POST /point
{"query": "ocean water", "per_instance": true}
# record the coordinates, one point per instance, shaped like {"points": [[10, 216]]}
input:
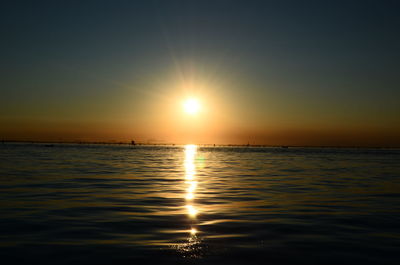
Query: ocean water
{"points": [[121, 204]]}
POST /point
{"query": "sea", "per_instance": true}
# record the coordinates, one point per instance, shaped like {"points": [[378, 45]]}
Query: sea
{"points": [[143, 204]]}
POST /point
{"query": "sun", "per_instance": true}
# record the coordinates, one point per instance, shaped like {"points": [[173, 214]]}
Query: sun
{"points": [[191, 106]]}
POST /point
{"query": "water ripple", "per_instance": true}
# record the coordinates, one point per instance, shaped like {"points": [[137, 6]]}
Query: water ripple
{"points": [[103, 204]]}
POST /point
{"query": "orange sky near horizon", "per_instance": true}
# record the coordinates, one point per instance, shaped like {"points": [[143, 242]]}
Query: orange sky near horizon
{"points": [[226, 116], [196, 134]]}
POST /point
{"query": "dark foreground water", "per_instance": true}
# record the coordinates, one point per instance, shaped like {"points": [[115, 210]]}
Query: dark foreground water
{"points": [[105, 204]]}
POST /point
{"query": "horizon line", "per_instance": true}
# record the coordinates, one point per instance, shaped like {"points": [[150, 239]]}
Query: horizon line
{"points": [[130, 143]]}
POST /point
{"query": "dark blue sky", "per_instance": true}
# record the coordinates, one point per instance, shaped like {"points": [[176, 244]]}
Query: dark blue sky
{"points": [[309, 61]]}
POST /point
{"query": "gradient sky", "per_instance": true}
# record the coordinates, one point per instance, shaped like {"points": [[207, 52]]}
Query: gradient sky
{"points": [[266, 72]]}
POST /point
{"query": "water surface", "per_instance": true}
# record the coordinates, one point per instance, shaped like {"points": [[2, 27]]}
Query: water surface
{"points": [[117, 204]]}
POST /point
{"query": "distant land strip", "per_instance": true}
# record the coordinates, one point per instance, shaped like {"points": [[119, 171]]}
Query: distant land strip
{"points": [[200, 145]]}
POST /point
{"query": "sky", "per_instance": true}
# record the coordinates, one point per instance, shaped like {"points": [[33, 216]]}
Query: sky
{"points": [[314, 73]]}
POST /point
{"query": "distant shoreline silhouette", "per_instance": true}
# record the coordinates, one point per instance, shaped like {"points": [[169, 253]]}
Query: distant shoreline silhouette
{"points": [[134, 143]]}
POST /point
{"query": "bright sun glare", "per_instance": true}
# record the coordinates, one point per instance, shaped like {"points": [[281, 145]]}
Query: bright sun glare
{"points": [[191, 106]]}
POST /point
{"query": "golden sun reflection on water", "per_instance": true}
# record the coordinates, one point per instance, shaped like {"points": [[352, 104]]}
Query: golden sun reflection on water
{"points": [[191, 210], [193, 231], [191, 247], [190, 175], [191, 185]]}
